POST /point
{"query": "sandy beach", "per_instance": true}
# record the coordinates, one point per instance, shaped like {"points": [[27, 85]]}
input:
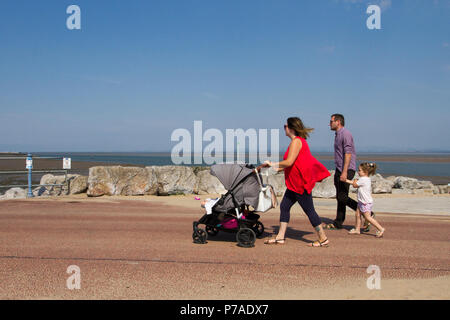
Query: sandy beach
{"points": [[77, 167], [81, 167], [141, 248]]}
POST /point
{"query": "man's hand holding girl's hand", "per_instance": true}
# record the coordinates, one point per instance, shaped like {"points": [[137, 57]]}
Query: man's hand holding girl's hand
{"points": [[353, 183]]}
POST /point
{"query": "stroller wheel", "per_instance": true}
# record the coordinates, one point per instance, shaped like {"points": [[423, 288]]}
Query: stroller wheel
{"points": [[246, 238], [200, 236], [212, 231], [258, 228]]}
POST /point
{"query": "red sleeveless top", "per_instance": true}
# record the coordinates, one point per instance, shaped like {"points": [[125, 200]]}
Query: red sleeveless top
{"points": [[305, 171]]}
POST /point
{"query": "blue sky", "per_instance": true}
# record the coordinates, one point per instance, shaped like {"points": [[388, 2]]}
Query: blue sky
{"points": [[137, 70]]}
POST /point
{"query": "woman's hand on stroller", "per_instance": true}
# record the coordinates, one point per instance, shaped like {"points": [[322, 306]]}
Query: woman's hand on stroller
{"points": [[264, 165], [268, 163]]}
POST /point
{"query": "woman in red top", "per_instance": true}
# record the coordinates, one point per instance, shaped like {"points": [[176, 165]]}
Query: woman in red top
{"points": [[301, 172]]}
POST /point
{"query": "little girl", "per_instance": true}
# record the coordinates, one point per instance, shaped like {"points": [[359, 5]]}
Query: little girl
{"points": [[365, 201]]}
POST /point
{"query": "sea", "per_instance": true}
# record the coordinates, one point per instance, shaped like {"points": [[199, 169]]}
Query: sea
{"points": [[399, 164]]}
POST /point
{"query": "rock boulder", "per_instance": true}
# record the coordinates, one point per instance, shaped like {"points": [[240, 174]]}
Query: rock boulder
{"points": [[277, 182], [208, 184], [411, 183], [325, 189], [174, 179], [14, 193], [78, 184], [118, 180], [381, 185], [50, 180]]}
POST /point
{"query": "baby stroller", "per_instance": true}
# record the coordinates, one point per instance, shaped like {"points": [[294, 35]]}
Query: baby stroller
{"points": [[231, 212]]}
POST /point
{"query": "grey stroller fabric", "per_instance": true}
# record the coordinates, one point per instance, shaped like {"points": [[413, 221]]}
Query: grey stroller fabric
{"points": [[240, 178]]}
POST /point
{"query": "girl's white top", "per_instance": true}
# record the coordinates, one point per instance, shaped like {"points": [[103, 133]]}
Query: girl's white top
{"points": [[365, 190]]}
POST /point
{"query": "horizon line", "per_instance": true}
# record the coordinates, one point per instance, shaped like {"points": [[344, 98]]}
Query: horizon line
{"points": [[246, 152]]}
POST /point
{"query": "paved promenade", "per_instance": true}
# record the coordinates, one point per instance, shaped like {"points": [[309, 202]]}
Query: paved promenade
{"points": [[141, 248]]}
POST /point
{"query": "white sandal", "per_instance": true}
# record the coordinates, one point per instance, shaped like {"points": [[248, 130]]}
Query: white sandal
{"points": [[379, 234]]}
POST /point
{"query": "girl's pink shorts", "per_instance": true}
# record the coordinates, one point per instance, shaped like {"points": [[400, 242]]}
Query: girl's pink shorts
{"points": [[365, 207]]}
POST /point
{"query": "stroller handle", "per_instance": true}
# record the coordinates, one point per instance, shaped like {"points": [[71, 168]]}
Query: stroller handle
{"points": [[264, 165]]}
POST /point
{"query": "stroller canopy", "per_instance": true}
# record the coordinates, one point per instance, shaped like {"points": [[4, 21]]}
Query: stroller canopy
{"points": [[241, 178]]}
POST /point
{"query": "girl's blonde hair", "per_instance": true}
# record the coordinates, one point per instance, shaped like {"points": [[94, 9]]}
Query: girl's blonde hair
{"points": [[369, 167]]}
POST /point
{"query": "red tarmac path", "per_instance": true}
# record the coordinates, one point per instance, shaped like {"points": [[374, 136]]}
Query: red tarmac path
{"points": [[135, 249]]}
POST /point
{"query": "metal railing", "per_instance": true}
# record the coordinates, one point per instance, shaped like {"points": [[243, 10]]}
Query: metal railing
{"points": [[29, 171]]}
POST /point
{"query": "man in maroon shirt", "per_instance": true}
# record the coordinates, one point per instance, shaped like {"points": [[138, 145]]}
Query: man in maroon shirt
{"points": [[345, 161]]}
